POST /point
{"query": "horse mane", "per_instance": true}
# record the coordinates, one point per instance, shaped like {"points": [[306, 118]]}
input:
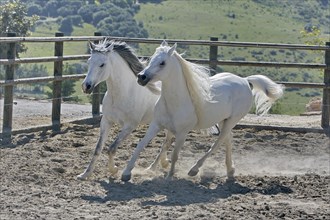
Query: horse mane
{"points": [[198, 83], [127, 53]]}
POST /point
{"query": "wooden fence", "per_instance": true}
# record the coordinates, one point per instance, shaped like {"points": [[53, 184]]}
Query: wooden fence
{"points": [[213, 61]]}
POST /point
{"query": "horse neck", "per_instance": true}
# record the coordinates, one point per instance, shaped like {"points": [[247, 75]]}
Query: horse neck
{"points": [[174, 89], [122, 78]]}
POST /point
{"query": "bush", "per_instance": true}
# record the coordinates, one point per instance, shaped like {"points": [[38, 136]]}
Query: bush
{"points": [[65, 11], [99, 16], [77, 20], [86, 12], [34, 9], [66, 26]]}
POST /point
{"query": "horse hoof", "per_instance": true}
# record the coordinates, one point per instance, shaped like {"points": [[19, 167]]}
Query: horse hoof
{"points": [[126, 178], [82, 177], [230, 179], [193, 172]]}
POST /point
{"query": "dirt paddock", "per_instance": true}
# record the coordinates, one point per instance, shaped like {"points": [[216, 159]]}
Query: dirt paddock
{"points": [[279, 175]]}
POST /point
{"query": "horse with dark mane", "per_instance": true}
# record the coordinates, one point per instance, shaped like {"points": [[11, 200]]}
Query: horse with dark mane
{"points": [[125, 102]]}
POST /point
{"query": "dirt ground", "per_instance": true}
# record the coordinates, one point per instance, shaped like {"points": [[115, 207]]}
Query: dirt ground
{"points": [[279, 175]]}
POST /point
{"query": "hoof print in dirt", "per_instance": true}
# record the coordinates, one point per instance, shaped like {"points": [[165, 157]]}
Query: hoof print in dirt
{"points": [[59, 170]]}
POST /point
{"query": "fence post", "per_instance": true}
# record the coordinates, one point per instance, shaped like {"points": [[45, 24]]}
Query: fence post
{"points": [[326, 94], [57, 85], [213, 56], [8, 93], [96, 92]]}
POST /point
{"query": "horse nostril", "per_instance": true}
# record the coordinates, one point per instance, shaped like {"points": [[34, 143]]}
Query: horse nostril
{"points": [[88, 86], [142, 77]]}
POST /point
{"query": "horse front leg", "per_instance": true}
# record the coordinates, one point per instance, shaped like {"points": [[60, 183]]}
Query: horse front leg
{"points": [[150, 134], [104, 132], [162, 156], [123, 134]]}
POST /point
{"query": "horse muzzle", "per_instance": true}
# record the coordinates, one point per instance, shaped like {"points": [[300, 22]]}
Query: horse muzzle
{"points": [[142, 79], [87, 88]]}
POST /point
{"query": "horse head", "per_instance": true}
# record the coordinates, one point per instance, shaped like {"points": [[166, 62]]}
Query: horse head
{"points": [[98, 65], [157, 65]]}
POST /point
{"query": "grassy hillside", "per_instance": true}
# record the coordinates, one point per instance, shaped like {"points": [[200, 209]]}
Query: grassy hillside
{"points": [[240, 20], [245, 21]]}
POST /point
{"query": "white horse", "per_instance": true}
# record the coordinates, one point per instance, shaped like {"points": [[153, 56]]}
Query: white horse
{"points": [[125, 102], [190, 99]]}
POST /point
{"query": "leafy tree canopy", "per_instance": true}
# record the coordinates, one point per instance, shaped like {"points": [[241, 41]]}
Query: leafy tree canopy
{"points": [[14, 18], [119, 12]]}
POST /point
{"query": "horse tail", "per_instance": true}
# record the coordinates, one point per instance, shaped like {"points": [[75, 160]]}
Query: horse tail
{"points": [[265, 92]]}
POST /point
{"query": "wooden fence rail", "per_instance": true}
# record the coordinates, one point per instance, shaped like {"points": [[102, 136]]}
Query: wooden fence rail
{"points": [[58, 58]]}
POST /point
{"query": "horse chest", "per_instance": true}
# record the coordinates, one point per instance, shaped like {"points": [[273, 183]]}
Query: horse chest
{"points": [[175, 118]]}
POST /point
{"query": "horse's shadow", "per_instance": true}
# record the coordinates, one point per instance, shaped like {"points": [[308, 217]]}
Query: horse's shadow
{"points": [[178, 192]]}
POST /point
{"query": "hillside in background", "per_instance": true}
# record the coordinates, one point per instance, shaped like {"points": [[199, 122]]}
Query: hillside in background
{"points": [[273, 21]]}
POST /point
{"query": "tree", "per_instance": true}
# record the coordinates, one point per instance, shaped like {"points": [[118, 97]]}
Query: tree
{"points": [[50, 9], [86, 12], [34, 9], [66, 26], [13, 18]]}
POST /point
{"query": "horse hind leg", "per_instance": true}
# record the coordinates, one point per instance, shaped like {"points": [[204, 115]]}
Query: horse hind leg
{"points": [[225, 133], [162, 156], [179, 141], [104, 132], [229, 162]]}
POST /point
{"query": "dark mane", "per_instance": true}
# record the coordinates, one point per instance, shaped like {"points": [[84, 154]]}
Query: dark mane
{"points": [[125, 51]]}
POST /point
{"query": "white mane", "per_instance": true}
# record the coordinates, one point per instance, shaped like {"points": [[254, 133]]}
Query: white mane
{"points": [[198, 83]]}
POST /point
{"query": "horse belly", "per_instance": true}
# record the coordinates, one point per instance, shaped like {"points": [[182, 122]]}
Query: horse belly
{"points": [[228, 102], [213, 114]]}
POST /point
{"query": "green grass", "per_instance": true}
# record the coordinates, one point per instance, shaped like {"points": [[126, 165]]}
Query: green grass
{"points": [[200, 20]]}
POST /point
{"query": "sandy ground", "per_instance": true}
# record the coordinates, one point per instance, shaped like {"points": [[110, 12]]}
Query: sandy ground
{"points": [[279, 175]]}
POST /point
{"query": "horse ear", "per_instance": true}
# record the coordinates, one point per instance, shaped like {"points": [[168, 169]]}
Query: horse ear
{"points": [[91, 46], [171, 51], [164, 43]]}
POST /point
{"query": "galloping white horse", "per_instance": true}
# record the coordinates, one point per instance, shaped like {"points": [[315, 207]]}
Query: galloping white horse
{"points": [[125, 102], [190, 99]]}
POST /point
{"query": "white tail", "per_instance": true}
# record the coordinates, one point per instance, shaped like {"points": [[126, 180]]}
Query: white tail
{"points": [[265, 92]]}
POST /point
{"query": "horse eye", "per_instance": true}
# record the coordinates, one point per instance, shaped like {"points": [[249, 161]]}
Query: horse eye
{"points": [[162, 63], [102, 65]]}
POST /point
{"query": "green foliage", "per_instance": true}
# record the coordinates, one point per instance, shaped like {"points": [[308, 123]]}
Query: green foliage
{"points": [[66, 26], [29, 71], [312, 36], [98, 13], [14, 18], [68, 86], [32, 70]]}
